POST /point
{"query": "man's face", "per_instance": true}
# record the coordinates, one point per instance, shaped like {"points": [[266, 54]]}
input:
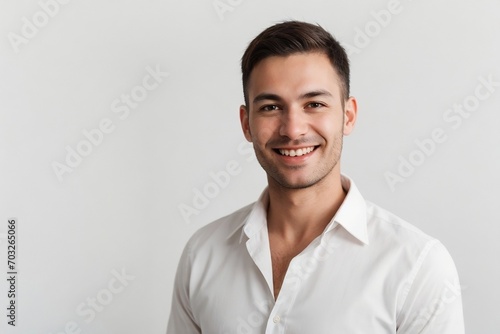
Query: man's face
{"points": [[296, 119]]}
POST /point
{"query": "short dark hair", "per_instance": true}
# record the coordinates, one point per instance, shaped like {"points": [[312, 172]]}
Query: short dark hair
{"points": [[289, 37]]}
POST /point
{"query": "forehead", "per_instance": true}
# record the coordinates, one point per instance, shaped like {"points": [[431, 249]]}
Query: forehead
{"points": [[294, 74]]}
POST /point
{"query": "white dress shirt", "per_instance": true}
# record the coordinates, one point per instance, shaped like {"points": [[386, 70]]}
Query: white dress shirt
{"points": [[369, 272]]}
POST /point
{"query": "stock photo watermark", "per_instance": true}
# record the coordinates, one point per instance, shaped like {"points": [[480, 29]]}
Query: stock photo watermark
{"points": [[12, 270], [380, 19], [30, 27], [453, 117], [122, 107], [88, 309], [218, 181], [450, 295], [223, 6], [253, 320]]}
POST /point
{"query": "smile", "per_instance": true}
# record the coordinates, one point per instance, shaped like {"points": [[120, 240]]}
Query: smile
{"points": [[296, 153]]}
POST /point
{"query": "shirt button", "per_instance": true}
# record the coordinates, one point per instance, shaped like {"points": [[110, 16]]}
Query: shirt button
{"points": [[276, 319]]}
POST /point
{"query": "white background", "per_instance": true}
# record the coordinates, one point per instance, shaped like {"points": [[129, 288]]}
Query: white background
{"points": [[119, 209]]}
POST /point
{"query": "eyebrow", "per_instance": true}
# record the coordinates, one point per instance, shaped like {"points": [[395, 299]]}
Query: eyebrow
{"points": [[275, 97], [266, 96]]}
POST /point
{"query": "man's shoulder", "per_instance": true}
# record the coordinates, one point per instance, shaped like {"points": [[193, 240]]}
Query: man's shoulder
{"points": [[222, 229], [407, 245], [385, 225]]}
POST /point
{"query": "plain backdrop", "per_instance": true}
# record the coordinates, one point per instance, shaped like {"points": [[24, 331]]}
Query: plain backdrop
{"points": [[128, 204]]}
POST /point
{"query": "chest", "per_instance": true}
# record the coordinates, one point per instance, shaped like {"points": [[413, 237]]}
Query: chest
{"points": [[281, 256], [312, 295]]}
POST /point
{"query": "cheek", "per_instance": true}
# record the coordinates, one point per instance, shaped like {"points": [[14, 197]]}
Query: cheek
{"points": [[262, 131], [329, 127]]}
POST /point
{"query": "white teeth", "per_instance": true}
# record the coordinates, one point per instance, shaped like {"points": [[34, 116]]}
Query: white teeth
{"points": [[297, 153]]}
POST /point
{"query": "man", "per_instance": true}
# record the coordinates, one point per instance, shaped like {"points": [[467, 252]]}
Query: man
{"points": [[311, 255]]}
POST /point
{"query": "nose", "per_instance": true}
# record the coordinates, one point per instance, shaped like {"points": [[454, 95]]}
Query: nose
{"points": [[293, 123]]}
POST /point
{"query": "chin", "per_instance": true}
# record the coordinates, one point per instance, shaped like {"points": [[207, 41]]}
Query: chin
{"points": [[295, 184]]}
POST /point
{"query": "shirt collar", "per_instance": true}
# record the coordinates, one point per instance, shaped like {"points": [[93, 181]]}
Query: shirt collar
{"points": [[352, 212], [255, 219], [351, 215]]}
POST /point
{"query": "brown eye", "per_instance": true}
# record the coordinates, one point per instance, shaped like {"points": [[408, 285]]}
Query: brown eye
{"points": [[314, 105], [269, 107]]}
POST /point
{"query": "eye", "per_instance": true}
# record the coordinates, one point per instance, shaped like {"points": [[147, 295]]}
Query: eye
{"points": [[315, 105], [269, 107]]}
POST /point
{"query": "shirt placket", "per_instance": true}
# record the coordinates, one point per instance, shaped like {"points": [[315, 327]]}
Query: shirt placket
{"points": [[299, 273], [292, 284]]}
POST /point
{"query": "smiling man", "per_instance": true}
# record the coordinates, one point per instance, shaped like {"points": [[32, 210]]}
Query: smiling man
{"points": [[311, 255]]}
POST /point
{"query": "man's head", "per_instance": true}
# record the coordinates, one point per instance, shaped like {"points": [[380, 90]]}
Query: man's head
{"points": [[293, 37], [298, 108]]}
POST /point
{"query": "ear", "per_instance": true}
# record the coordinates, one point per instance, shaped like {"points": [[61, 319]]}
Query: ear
{"points": [[350, 114], [245, 124]]}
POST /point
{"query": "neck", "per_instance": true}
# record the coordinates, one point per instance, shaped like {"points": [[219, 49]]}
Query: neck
{"points": [[295, 215]]}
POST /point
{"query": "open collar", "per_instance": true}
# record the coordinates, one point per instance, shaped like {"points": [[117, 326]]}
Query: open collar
{"points": [[351, 215]]}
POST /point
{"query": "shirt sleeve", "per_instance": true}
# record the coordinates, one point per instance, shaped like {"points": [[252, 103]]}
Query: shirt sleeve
{"points": [[181, 316], [433, 304]]}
